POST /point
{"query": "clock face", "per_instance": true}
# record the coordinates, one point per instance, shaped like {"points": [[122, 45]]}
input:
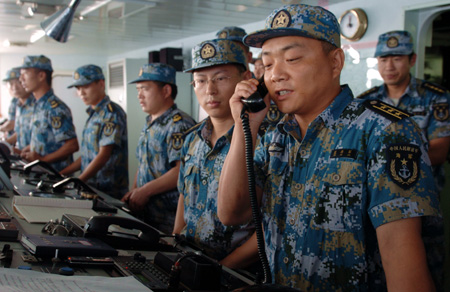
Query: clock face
{"points": [[349, 25], [353, 24]]}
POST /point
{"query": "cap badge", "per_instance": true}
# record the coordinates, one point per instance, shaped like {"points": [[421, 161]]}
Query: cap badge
{"points": [[76, 76], [281, 19], [223, 35], [392, 42], [13, 75], [141, 72], [207, 51]]}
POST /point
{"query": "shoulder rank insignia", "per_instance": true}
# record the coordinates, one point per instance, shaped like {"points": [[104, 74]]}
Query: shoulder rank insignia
{"points": [[388, 111], [367, 92], [434, 87], [403, 164], [177, 140], [191, 129], [110, 108], [440, 111], [109, 128], [54, 104], [177, 118]]}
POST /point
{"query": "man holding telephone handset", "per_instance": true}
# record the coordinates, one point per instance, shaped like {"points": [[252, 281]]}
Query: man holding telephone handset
{"points": [[343, 185]]}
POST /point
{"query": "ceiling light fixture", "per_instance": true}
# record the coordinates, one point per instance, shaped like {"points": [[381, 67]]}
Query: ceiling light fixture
{"points": [[57, 26]]}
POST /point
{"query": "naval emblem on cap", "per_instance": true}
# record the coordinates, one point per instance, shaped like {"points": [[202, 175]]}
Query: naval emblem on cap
{"points": [[207, 51], [12, 75], [392, 42], [76, 76], [141, 72], [282, 19], [223, 35]]}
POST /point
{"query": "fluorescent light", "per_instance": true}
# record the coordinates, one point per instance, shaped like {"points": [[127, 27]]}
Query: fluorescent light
{"points": [[6, 43], [37, 35]]}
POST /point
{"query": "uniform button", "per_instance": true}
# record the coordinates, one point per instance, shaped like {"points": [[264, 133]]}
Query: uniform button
{"points": [[191, 231], [204, 181], [285, 260], [303, 152], [199, 206], [336, 177], [292, 221]]}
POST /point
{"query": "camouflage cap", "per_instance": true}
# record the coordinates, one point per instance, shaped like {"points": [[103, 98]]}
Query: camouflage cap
{"points": [[397, 42], [11, 74], [217, 52], [156, 72], [298, 20], [86, 75], [232, 33], [39, 62]]}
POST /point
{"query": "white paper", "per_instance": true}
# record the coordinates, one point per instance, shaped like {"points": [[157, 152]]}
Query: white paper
{"points": [[42, 210], [15, 280]]}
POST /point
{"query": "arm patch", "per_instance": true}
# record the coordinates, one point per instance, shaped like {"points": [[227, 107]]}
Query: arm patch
{"points": [[388, 111]]}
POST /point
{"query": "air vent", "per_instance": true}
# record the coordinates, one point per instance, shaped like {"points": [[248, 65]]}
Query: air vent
{"points": [[116, 78]]}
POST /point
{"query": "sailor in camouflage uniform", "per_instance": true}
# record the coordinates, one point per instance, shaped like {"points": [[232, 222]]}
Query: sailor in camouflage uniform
{"points": [[217, 66], [53, 136], [104, 145], [23, 111], [158, 152], [337, 177], [12, 76], [428, 105]]}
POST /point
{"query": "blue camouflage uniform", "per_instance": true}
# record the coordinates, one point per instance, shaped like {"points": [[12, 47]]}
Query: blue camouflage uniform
{"points": [[51, 126], [201, 166], [428, 105], [359, 165], [22, 125], [106, 125], [198, 182], [52, 119], [159, 149], [325, 195], [11, 74]]}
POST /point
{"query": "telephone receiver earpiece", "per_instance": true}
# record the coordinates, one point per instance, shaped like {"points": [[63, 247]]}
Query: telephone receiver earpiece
{"points": [[255, 102]]}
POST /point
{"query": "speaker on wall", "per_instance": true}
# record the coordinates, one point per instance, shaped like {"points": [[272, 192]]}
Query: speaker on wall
{"points": [[153, 57], [172, 56]]}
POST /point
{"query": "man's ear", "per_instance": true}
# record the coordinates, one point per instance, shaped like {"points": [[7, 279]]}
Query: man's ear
{"points": [[247, 75], [42, 76], [413, 60], [167, 91], [337, 59]]}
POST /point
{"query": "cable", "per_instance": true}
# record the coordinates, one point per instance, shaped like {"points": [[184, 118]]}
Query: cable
{"points": [[253, 200]]}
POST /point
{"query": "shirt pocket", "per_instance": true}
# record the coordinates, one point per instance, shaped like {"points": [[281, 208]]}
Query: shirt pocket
{"points": [[191, 182], [339, 205]]}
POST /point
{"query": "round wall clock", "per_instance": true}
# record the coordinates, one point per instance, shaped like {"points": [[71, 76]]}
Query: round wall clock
{"points": [[353, 24]]}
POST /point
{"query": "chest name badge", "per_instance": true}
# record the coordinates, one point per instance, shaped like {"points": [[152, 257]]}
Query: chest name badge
{"points": [[403, 164], [347, 153]]}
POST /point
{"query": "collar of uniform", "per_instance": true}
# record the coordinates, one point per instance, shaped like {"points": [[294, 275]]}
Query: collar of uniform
{"points": [[165, 115], [45, 97], [27, 102], [205, 131], [332, 113], [103, 103], [412, 89]]}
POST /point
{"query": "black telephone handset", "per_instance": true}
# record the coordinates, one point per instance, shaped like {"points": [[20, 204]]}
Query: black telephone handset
{"points": [[255, 102], [98, 227]]}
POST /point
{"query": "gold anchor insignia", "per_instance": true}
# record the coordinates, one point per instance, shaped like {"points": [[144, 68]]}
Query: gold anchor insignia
{"points": [[392, 42], [13, 74], [223, 35], [282, 19], [76, 76], [109, 128], [208, 51], [56, 122]]}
